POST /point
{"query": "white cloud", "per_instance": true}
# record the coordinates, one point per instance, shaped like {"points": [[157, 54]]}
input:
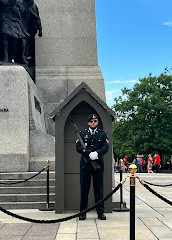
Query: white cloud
{"points": [[169, 24], [111, 94], [118, 81], [130, 81]]}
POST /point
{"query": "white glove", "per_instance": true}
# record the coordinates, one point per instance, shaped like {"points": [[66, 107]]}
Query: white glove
{"points": [[93, 155]]}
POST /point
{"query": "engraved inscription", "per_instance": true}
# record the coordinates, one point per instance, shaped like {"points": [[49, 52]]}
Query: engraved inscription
{"points": [[37, 104], [4, 110]]}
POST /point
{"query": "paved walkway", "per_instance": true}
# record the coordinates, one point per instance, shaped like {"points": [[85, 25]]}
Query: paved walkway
{"points": [[153, 219]]}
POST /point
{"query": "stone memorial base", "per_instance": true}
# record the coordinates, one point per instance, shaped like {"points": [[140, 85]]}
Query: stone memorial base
{"points": [[14, 119], [25, 144]]}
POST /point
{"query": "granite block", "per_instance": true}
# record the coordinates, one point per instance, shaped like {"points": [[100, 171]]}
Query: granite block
{"points": [[69, 33], [53, 88], [14, 119], [41, 144], [66, 52]]}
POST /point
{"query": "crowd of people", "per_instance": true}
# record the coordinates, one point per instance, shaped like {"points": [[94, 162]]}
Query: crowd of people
{"points": [[150, 165]]}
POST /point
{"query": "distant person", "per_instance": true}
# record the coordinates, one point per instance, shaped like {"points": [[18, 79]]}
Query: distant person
{"points": [[125, 160], [143, 163], [150, 164], [157, 163], [137, 161], [121, 165], [116, 168], [134, 160]]}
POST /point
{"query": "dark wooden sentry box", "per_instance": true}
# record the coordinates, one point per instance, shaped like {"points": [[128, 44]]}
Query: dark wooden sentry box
{"points": [[79, 104]]}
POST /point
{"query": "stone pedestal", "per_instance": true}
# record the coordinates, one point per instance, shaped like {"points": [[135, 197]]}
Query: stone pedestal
{"points": [[66, 55], [25, 144], [14, 119], [41, 144], [69, 33]]}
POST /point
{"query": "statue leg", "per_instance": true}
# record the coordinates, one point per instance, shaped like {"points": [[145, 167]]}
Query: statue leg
{"points": [[20, 51], [22, 44], [11, 49], [4, 48]]}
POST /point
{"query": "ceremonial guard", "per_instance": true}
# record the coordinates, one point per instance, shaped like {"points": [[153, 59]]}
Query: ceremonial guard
{"points": [[96, 145]]}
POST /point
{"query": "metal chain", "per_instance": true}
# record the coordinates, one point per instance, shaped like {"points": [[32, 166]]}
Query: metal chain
{"points": [[25, 180], [66, 218]]}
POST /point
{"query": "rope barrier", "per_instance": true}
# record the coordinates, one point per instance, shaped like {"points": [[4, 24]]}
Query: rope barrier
{"points": [[153, 192], [66, 218], [25, 180], [158, 185]]}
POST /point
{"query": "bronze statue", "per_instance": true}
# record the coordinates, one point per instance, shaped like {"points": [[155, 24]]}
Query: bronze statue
{"points": [[19, 23], [12, 32]]}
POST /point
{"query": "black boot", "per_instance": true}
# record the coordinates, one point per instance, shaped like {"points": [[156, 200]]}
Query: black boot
{"points": [[101, 216], [82, 216]]}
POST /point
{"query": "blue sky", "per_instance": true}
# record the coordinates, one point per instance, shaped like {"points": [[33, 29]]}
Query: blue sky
{"points": [[134, 39]]}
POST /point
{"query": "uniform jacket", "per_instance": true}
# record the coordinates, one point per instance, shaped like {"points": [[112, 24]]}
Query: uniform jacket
{"points": [[98, 142]]}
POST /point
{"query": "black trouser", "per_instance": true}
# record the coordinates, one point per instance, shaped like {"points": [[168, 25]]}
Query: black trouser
{"points": [[85, 181], [157, 168]]}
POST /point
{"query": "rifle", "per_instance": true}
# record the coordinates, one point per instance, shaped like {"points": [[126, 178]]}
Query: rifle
{"points": [[93, 163]]}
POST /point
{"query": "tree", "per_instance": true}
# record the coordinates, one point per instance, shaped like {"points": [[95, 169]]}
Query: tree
{"points": [[121, 142], [144, 116]]}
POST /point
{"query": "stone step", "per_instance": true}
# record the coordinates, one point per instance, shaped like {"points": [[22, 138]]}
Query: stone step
{"points": [[26, 197], [31, 194], [26, 190], [25, 205], [38, 182], [26, 175]]}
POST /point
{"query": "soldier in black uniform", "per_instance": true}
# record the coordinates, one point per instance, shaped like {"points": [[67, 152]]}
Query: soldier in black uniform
{"points": [[96, 146]]}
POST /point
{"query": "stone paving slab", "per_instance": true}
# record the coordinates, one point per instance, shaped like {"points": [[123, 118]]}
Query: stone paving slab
{"points": [[87, 232], [43, 229], [36, 237], [68, 227], [17, 229], [65, 236], [11, 237]]}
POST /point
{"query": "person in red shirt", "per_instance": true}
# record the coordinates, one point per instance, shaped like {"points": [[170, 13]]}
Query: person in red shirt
{"points": [[143, 163], [126, 163], [150, 162], [157, 163]]}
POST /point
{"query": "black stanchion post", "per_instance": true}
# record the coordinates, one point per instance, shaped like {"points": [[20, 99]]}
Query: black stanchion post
{"points": [[47, 207], [121, 191], [122, 204], [133, 170], [48, 183]]}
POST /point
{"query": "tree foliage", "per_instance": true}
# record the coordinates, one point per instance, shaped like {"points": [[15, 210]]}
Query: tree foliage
{"points": [[144, 117]]}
